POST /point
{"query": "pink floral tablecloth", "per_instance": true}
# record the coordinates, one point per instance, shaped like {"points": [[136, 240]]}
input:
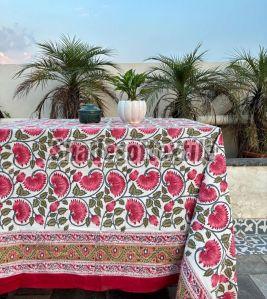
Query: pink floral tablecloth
{"points": [[114, 206]]}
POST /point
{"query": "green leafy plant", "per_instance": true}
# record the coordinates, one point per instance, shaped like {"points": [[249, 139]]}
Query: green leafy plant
{"points": [[248, 75], [79, 70], [131, 83], [182, 87]]}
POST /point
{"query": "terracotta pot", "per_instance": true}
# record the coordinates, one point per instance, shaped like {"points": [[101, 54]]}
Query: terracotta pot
{"points": [[132, 112], [247, 154]]}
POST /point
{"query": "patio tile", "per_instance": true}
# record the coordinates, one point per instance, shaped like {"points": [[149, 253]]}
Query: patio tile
{"points": [[122, 295], [261, 281], [77, 294], [251, 244], [251, 264], [248, 289]]}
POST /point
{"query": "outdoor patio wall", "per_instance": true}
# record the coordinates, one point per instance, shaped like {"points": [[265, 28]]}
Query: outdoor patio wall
{"points": [[24, 107], [248, 190]]}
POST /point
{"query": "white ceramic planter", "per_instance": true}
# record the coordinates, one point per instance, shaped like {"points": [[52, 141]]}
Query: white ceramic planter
{"points": [[132, 112]]}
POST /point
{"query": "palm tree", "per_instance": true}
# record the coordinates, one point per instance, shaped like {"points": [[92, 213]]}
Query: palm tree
{"points": [[248, 75], [131, 83], [182, 87], [80, 71]]}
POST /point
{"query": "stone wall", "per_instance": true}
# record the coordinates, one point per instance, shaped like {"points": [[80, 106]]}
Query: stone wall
{"points": [[248, 190]]}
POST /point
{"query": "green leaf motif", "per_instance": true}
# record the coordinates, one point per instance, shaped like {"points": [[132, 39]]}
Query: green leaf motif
{"points": [[167, 223], [5, 211], [199, 237], [118, 211], [5, 155], [21, 192], [208, 272], [134, 191], [51, 222], [191, 244], [119, 221], [107, 223]]}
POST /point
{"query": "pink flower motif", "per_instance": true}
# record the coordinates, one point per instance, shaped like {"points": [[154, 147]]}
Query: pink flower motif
{"points": [[219, 217], [199, 178], [1, 148], [22, 210], [205, 129], [168, 207], [22, 154], [207, 193], [210, 255], [77, 176], [218, 166], [134, 175], [40, 163], [35, 182], [80, 153], [39, 219], [228, 295], [96, 220], [4, 134], [190, 207], [215, 279], [149, 130], [54, 150], [61, 133], [223, 186], [174, 182], [111, 148], [220, 139], [5, 186], [154, 161], [33, 131], [21, 177], [135, 210], [193, 150], [168, 148], [78, 210], [54, 206], [118, 133], [91, 131], [116, 183], [232, 247], [136, 152], [110, 206], [191, 174], [97, 161], [149, 180], [92, 181], [197, 226], [153, 220], [60, 183], [174, 132]]}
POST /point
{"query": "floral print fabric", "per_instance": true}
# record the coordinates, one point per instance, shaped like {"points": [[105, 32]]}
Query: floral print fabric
{"points": [[160, 186]]}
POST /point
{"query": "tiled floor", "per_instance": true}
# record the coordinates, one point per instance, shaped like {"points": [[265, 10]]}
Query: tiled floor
{"points": [[251, 267]]}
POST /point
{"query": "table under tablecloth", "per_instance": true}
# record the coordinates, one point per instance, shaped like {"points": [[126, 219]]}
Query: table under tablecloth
{"points": [[115, 206]]}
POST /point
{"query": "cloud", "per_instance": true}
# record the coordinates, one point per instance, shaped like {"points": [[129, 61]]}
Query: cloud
{"points": [[4, 59], [15, 44], [82, 12]]}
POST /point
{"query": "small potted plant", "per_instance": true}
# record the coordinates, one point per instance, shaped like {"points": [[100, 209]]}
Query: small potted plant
{"points": [[131, 84]]}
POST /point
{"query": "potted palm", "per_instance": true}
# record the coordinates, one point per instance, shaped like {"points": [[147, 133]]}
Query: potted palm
{"points": [[79, 70], [181, 88], [4, 114], [248, 75], [132, 85]]}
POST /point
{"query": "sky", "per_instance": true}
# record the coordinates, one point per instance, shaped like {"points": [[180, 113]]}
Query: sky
{"points": [[134, 29]]}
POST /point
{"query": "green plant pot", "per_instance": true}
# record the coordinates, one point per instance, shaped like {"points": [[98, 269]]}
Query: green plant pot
{"points": [[89, 113]]}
